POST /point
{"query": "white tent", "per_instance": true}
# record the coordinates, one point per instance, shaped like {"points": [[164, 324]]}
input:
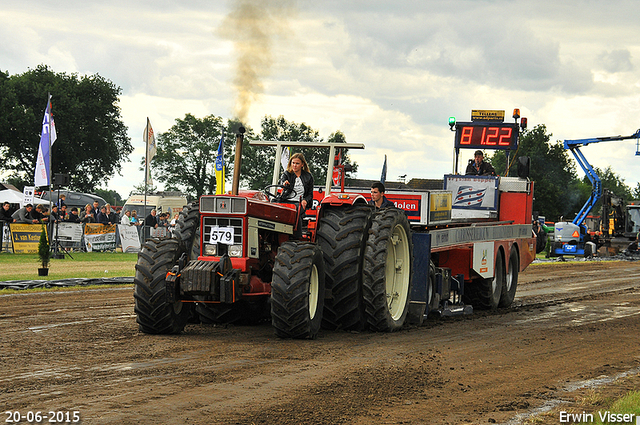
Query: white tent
{"points": [[12, 196]]}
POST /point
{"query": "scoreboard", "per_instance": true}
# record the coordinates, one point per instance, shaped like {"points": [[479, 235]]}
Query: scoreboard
{"points": [[486, 135]]}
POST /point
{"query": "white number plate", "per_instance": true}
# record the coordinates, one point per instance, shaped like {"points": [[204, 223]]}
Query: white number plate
{"points": [[222, 235]]}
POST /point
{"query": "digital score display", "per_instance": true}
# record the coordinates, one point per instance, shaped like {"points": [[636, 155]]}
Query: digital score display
{"points": [[486, 135]]}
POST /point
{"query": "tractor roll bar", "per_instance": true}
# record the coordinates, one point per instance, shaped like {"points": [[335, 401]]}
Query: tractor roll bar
{"points": [[332, 152]]}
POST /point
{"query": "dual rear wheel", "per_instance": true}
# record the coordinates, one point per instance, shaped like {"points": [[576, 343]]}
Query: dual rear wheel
{"points": [[363, 259], [387, 271], [499, 291]]}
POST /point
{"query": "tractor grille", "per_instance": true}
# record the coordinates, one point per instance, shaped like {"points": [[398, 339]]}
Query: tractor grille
{"points": [[209, 222]]}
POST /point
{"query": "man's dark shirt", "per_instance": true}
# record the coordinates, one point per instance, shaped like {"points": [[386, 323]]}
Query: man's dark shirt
{"points": [[150, 221], [36, 215], [103, 218], [73, 218], [5, 215], [485, 169], [113, 217], [385, 203]]}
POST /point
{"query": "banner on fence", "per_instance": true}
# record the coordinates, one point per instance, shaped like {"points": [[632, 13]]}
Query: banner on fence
{"points": [[26, 237], [129, 238], [6, 238], [100, 237], [67, 232], [159, 232]]}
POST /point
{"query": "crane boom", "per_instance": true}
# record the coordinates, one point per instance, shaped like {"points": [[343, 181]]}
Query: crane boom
{"points": [[596, 183]]}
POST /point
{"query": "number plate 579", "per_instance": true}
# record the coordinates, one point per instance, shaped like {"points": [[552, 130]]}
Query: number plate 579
{"points": [[222, 235]]}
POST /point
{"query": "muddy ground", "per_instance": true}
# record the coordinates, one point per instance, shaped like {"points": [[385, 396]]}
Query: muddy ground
{"points": [[569, 341]]}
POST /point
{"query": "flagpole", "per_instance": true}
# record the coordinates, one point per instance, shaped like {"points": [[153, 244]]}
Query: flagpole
{"points": [[50, 156], [50, 159], [50, 180]]}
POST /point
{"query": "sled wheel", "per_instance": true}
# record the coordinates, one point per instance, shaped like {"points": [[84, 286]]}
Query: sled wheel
{"points": [[511, 279], [485, 294], [433, 300]]}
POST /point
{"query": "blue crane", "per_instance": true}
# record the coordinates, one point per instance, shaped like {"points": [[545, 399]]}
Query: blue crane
{"points": [[596, 183], [570, 237]]}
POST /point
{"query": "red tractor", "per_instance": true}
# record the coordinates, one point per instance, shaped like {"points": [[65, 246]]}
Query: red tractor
{"points": [[234, 260]]}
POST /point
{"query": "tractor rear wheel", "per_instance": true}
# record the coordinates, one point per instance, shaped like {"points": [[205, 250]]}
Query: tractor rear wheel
{"points": [[297, 290], [342, 236], [156, 314], [387, 270], [188, 228]]}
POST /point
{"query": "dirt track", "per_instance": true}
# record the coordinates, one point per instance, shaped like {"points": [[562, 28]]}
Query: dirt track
{"points": [[81, 351]]}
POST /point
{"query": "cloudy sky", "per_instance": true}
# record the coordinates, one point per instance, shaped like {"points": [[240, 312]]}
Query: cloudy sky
{"points": [[387, 73]]}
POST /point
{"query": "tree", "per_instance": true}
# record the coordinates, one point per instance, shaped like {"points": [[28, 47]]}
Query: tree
{"points": [[254, 172], [111, 196], [609, 180], [140, 188], [614, 183], [185, 156], [92, 139], [636, 192], [556, 190], [186, 153]]}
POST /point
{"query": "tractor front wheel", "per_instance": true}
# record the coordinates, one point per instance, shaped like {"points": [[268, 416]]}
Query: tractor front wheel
{"points": [[297, 290], [158, 312]]}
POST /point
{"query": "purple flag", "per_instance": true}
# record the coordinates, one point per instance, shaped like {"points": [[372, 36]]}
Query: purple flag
{"points": [[42, 174]]}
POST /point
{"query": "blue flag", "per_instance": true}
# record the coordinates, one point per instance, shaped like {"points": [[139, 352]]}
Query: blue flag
{"points": [[220, 168], [383, 176]]}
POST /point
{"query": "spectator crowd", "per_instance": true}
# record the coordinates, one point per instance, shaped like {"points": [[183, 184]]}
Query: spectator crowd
{"points": [[59, 212]]}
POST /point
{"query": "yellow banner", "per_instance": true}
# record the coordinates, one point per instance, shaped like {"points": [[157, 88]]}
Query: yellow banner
{"points": [[100, 237], [487, 115], [99, 229], [26, 237]]}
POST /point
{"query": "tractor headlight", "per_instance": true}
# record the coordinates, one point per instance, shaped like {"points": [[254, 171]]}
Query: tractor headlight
{"points": [[235, 251], [211, 250]]}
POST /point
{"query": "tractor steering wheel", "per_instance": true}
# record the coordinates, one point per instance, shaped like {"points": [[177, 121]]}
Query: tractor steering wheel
{"points": [[277, 196]]}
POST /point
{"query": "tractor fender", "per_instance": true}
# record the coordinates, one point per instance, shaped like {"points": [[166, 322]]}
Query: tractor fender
{"points": [[338, 200]]}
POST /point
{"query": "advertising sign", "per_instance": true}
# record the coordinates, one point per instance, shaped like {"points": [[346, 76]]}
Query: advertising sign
{"points": [[100, 237], [129, 238], [25, 237]]}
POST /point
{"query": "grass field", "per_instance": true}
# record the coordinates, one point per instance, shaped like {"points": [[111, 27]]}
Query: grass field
{"points": [[83, 265]]}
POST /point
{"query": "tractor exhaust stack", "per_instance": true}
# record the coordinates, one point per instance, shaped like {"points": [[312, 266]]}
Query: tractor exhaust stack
{"points": [[238, 161]]}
